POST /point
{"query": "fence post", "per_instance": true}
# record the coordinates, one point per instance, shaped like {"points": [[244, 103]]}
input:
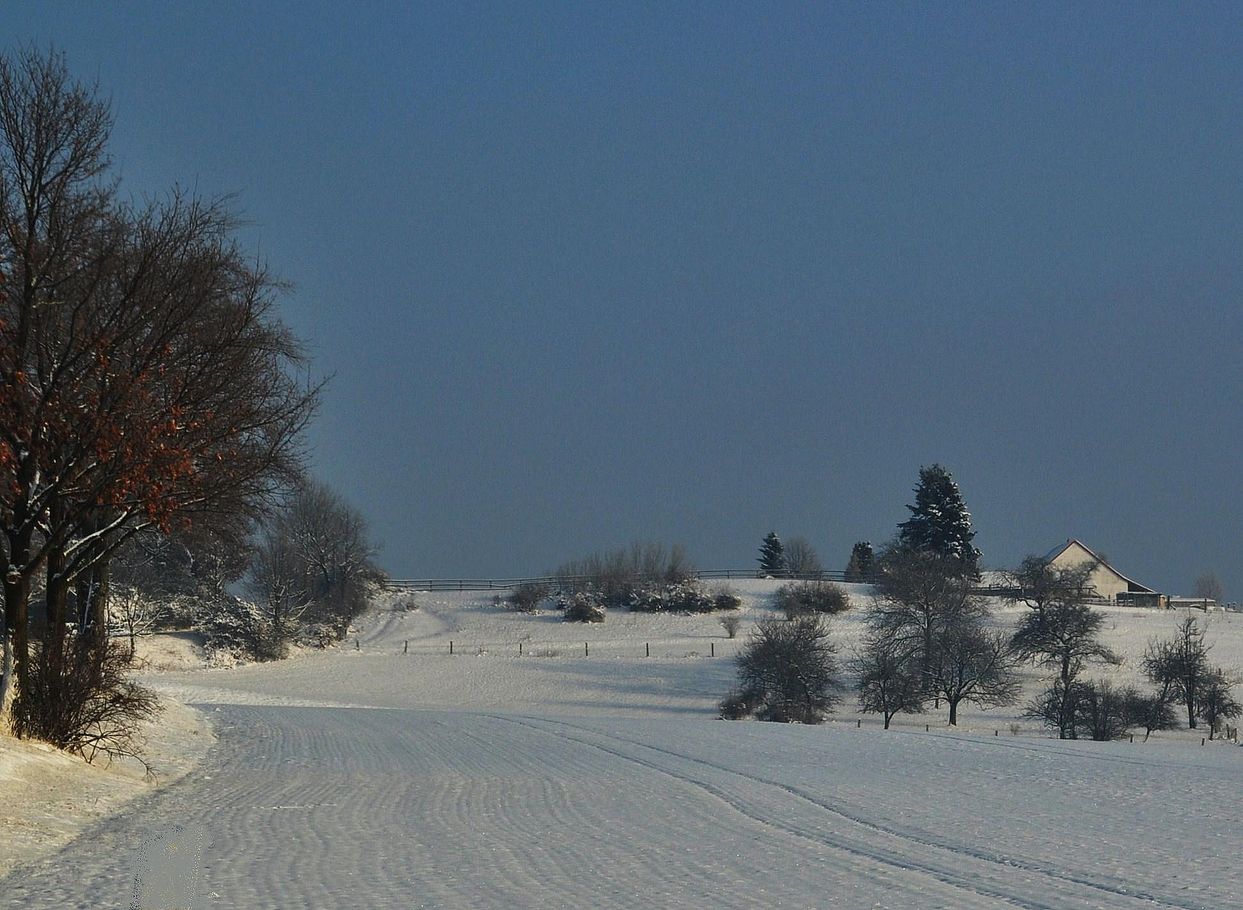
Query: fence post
{"points": [[712, 647], [647, 649], [586, 650], [405, 648], [450, 646], [519, 649]]}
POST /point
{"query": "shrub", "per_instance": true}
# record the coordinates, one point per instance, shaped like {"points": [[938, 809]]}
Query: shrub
{"points": [[739, 705], [788, 670], [317, 635], [79, 698], [725, 598], [799, 598], [618, 575], [731, 625], [582, 607], [239, 629], [684, 597], [527, 597]]}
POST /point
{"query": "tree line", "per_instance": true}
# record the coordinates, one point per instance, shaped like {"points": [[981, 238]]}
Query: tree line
{"points": [[929, 640], [149, 395]]}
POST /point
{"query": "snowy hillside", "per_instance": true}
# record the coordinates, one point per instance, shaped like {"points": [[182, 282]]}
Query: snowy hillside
{"points": [[559, 780]]}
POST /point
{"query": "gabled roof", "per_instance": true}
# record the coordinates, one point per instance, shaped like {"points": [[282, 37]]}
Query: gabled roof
{"points": [[1132, 585]]}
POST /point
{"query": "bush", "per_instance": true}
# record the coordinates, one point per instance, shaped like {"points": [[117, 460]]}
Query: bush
{"points": [[318, 635], [236, 628], [582, 607], [731, 625], [618, 575], [79, 698], [788, 671], [799, 598], [527, 597], [725, 598], [739, 705]]}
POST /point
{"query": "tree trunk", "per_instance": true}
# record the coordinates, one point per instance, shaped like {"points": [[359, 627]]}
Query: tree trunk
{"points": [[17, 626], [97, 612], [57, 595], [6, 668], [953, 713]]}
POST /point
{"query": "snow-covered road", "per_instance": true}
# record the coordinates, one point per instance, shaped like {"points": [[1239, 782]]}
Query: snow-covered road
{"points": [[341, 807], [371, 778]]}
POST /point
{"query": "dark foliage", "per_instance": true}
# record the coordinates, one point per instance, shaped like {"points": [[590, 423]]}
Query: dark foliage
{"points": [[80, 698], [802, 597], [862, 565], [940, 523], [526, 598], [772, 556], [890, 681], [582, 607], [789, 669], [1179, 667]]}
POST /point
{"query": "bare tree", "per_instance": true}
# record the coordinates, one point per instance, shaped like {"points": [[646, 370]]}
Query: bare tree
{"points": [[314, 558], [788, 670], [1179, 667], [1209, 587], [136, 614], [918, 596], [801, 558], [971, 664], [1217, 701], [890, 681], [1153, 711], [1060, 632], [143, 380]]}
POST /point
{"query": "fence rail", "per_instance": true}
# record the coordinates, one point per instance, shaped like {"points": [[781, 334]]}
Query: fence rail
{"points": [[501, 584]]}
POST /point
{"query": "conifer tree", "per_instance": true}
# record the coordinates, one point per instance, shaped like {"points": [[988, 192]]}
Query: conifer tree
{"points": [[862, 565], [940, 524], [772, 556]]}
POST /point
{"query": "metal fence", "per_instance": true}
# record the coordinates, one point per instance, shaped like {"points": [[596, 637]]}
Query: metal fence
{"points": [[502, 584]]}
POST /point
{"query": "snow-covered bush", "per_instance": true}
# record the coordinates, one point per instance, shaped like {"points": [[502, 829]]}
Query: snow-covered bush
{"points": [[526, 598], [682, 597], [238, 629], [317, 635], [731, 624], [739, 704], [799, 598], [581, 607]]}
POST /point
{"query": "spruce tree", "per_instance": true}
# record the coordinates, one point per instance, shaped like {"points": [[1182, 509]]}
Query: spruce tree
{"points": [[862, 565], [940, 523], [772, 556]]}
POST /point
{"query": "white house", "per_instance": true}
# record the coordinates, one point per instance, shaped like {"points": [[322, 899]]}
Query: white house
{"points": [[1107, 581]]}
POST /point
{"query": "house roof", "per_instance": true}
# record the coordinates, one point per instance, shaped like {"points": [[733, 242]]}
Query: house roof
{"points": [[1132, 585]]}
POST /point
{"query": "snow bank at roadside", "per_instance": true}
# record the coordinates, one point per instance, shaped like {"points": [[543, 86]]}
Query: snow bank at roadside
{"points": [[49, 796]]}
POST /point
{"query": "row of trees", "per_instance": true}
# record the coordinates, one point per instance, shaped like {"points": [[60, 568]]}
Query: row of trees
{"points": [[929, 639], [149, 395]]}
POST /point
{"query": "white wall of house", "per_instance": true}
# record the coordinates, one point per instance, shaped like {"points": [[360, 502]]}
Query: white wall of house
{"points": [[1105, 580]]}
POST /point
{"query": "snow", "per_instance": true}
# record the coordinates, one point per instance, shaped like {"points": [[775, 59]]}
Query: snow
{"points": [[369, 777]]}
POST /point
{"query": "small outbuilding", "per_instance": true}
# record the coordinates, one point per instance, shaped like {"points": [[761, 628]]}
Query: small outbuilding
{"points": [[1105, 580]]}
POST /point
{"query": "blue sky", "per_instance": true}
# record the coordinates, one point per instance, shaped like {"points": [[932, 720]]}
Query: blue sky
{"points": [[584, 273]]}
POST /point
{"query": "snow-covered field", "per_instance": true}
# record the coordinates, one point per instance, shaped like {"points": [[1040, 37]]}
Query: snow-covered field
{"points": [[556, 780]]}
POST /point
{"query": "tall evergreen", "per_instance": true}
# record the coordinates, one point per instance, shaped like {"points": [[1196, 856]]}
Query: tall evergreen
{"points": [[862, 565], [772, 556], [940, 523]]}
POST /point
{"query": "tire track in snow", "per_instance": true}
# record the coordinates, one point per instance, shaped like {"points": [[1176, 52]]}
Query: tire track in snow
{"points": [[1002, 889]]}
